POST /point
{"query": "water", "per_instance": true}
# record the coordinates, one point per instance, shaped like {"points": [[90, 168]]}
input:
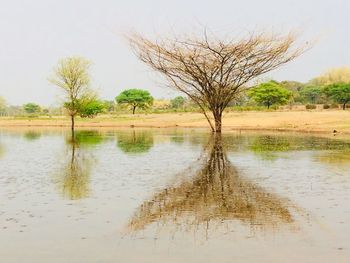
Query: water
{"points": [[138, 195]]}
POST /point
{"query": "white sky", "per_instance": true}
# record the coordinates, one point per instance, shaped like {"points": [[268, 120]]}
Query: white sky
{"points": [[35, 34]]}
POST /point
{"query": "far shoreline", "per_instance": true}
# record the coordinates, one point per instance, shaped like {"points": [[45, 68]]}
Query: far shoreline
{"points": [[317, 122]]}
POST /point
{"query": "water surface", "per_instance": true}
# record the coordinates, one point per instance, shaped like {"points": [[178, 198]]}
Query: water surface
{"points": [[135, 195]]}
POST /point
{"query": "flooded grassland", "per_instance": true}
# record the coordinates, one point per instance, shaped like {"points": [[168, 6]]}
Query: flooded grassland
{"points": [[173, 195]]}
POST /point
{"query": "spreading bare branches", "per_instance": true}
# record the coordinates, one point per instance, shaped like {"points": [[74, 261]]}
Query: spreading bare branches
{"points": [[212, 71]]}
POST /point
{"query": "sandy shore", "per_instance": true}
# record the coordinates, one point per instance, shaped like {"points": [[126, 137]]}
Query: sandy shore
{"points": [[302, 121]]}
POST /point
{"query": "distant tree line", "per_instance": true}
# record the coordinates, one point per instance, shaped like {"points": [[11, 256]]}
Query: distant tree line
{"points": [[332, 89]]}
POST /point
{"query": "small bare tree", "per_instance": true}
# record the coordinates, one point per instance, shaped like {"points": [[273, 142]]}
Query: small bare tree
{"points": [[211, 71], [72, 76]]}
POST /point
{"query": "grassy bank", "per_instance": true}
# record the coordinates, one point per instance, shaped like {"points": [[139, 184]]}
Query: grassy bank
{"points": [[304, 121]]}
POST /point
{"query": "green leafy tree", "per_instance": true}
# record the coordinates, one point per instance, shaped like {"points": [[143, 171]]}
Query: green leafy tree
{"points": [[312, 94], [270, 93], [177, 102], [340, 93], [90, 106], [109, 105], [72, 76], [31, 108], [136, 98], [295, 87]]}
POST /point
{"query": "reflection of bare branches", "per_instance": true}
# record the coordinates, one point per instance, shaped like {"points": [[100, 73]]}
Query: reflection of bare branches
{"points": [[216, 193]]}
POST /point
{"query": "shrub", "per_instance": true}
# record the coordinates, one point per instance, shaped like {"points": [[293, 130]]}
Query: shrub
{"points": [[310, 106], [326, 106], [334, 106]]}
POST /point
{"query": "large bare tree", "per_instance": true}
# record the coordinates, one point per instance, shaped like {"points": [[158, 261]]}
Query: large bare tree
{"points": [[212, 71]]}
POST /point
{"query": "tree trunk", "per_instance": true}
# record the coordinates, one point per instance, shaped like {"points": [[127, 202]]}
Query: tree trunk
{"points": [[344, 106], [218, 123], [72, 123], [133, 109]]}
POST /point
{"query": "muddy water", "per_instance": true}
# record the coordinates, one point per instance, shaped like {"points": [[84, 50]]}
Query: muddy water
{"points": [[173, 196]]}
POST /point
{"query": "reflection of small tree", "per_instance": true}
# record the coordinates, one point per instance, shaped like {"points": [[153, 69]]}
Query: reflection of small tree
{"points": [[88, 138], [135, 142], [32, 135], [215, 193], [73, 178], [136, 98], [266, 146]]}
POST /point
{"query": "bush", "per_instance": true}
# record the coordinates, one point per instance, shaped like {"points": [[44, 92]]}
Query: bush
{"points": [[334, 106], [310, 106], [251, 108], [326, 106]]}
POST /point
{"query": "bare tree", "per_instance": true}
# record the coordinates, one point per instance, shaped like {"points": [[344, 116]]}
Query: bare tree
{"points": [[211, 71]]}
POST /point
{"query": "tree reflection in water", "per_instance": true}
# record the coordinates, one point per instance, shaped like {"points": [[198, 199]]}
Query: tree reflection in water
{"points": [[32, 135], [216, 193], [74, 177], [135, 142]]}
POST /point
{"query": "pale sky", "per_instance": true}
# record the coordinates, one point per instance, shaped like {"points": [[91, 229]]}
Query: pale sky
{"points": [[35, 34]]}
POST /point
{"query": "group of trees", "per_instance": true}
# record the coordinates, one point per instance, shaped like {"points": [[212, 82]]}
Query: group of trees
{"points": [[211, 72], [317, 91], [331, 87]]}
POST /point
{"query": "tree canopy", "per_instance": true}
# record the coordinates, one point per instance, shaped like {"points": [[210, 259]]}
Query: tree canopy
{"points": [[136, 98], [177, 102], [212, 71], [89, 106], [270, 93], [72, 76], [340, 93], [312, 94], [31, 108]]}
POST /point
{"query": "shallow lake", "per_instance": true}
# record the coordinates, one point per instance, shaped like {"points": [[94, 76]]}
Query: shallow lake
{"points": [[163, 195]]}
